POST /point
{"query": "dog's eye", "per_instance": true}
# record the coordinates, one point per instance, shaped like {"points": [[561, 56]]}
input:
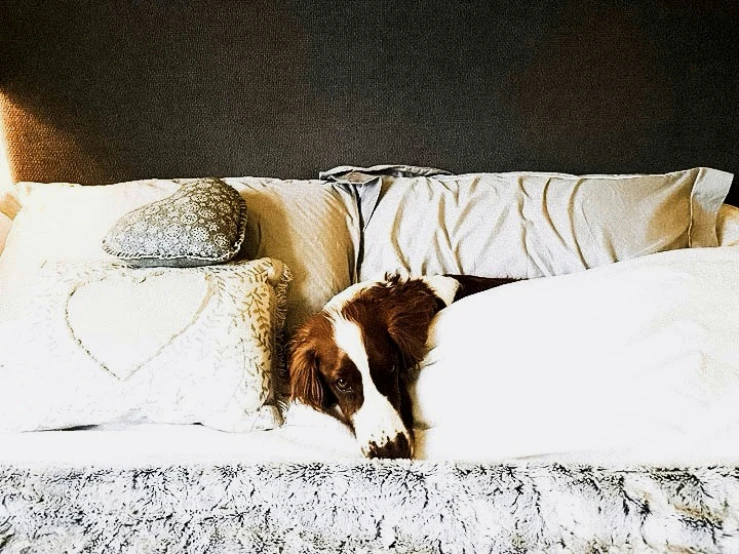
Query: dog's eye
{"points": [[342, 384]]}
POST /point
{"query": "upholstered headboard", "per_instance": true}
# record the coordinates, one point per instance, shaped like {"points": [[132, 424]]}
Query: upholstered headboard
{"points": [[106, 91]]}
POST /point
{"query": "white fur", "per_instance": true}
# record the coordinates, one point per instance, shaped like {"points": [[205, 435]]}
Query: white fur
{"points": [[445, 288], [376, 421]]}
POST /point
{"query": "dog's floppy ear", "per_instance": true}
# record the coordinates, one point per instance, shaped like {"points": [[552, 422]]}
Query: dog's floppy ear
{"points": [[305, 380], [408, 319]]}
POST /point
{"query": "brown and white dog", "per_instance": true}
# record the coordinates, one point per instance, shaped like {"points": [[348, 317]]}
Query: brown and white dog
{"points": [[356, 353]]}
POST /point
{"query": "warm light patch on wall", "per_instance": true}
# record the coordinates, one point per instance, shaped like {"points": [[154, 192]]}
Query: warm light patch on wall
{"points": [[6, 178], [8, 204], [41, 145]]}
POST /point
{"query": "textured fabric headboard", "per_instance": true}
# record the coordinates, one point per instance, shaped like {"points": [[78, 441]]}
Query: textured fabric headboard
{"points": [[105, 91]]}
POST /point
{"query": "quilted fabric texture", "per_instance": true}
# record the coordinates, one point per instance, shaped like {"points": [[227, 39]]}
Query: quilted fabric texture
{"points": [[111, 344], [202, 223]]}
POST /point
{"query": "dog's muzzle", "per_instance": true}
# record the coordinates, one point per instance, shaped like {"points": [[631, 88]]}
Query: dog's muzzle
{"points": [[398, 447]]}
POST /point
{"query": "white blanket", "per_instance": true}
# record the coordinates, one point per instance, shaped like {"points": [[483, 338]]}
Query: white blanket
{"points": [[636, 361]]}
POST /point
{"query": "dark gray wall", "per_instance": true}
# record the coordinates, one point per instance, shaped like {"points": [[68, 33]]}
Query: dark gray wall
{"points": [[105, 91]]}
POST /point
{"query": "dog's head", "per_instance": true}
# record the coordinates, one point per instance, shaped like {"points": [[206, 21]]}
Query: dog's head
{"points": [[357, 352]]}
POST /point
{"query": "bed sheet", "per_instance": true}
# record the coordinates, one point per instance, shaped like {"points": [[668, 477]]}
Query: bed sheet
{"points": [[306, 436], [151, 445]]}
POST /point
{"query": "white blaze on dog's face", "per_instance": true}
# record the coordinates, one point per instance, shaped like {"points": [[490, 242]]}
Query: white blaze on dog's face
{"points": [[377, 424]]}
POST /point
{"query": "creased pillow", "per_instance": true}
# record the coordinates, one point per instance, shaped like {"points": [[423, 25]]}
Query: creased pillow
{"points": [[528, 225], [109, 344], [203, 223], [366, 182], [312, 226], [356, 175]]}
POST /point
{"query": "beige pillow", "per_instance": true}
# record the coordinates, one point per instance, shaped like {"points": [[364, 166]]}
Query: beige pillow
{"points": [[100, 343], [8, 208], [727, 225], [5, 224], [312, 226], [537, 224]]}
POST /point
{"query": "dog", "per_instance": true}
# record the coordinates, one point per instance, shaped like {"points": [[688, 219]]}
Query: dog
{"points": [[354, 357]]}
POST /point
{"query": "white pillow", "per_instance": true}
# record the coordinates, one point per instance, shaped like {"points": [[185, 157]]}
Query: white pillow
{"points": [[536, 224], [98, 343], [312, 226]]}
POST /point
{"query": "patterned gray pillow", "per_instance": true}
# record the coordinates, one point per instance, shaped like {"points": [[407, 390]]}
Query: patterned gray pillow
{"points": [[203, 223]]}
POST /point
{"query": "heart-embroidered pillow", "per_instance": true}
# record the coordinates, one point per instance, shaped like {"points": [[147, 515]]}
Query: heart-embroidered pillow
{"points": [[112, 344], [203, 223]]}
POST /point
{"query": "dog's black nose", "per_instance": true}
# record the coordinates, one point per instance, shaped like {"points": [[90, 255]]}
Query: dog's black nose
{"points": [[399, 447]]}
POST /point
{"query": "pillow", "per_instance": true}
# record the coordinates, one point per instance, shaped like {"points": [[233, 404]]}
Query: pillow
{"points": [[312, 226], [5, 224], [103, 343], [358, 175], [364, 180], [202, 223], [536, 224], [8, 202], [8, 208], [727, 225]]}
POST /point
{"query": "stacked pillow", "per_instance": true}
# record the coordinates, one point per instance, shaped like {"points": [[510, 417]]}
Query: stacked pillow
{"points": [[104, 343], [203, 223], [163, 300], [311, 226]]}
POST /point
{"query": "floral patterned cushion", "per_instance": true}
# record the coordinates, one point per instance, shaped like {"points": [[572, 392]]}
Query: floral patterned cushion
{"points": [[106, 343], [203, 223]]}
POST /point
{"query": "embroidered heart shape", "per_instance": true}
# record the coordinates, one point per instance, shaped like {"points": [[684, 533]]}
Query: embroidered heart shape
{"points": [[122, 323]]}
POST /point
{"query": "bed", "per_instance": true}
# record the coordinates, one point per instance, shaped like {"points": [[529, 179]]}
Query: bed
{"points": [[589, 407]]}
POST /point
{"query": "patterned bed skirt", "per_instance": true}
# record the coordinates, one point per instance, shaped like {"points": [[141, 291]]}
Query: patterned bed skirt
{"points": [[373, 506]]}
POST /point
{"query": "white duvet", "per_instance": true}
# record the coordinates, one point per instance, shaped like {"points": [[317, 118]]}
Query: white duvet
{"points": [[637, 362]]}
